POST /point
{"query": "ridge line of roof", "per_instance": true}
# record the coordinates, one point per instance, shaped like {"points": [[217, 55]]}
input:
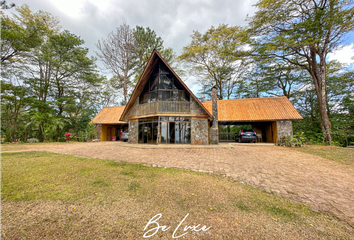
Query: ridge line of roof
{"points": [[247, 98]]}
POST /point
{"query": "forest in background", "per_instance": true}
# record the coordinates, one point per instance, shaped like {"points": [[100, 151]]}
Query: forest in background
{"points": [[50, 86]]}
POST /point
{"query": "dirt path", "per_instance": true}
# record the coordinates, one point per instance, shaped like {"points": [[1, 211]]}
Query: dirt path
{"points": [[322, 184]]}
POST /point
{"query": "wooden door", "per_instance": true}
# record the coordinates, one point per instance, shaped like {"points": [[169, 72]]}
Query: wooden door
{"points": [[109, 134]]}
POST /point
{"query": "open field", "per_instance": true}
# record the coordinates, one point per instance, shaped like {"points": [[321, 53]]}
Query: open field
{"points": [[54, 196]]}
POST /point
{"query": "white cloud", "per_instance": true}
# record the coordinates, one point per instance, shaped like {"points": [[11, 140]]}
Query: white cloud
{"points": [[344, 55]]}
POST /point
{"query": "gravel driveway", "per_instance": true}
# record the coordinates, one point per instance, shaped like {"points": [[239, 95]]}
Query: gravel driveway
{"points": [[322, 184]]}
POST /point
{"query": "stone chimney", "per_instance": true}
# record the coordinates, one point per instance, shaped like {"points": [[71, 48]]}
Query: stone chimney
{"points": [[214, 131]]}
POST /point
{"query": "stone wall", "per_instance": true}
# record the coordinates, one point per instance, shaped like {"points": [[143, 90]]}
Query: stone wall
{"points": [[285, 128], [213, 136], [199, 135], [133, 131], [196, 108], [214, 129], [98, 131]]}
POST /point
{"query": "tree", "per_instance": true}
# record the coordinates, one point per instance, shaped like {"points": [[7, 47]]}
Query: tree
{"points": [[273, 78], [146, 40], [5, 6], [49, 87], [116, 53], [20, 34], [303, 33], [209, 58]]}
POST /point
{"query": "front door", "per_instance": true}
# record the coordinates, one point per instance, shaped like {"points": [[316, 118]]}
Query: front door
{"points": [[109, 134]]}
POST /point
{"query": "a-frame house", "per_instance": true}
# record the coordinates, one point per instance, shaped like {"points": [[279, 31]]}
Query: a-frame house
{"points": [[162, 109]]}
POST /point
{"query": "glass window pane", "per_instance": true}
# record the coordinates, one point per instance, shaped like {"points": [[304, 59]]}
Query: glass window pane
{"points": [[165, 82], [163, 132], [150, 133], [186, 133], [179, 133], [172, 119], [140, 139], [153, 97], [163, 118], [164, 96], [186, 97], [164, 69], [154, 80], [175, 96], [174, 81], [146, 98], [154, 132]]}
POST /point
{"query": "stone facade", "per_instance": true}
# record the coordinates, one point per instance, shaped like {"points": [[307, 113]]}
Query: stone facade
{"points": [[196, 108], [98, 131], [199, 131], [284, 128], [214, 131], [133, 131]]}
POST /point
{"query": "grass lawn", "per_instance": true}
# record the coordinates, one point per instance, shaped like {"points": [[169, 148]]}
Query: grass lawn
{"points": [[337, 154], [53, 196], [12, 147], [22, 146]]}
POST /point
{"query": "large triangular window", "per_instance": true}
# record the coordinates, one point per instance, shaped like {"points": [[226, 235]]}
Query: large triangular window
{"points": [[163, 86]]}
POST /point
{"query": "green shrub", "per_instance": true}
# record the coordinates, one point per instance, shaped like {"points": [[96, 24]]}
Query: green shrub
{"points": [[32, 140], [291, 141]]}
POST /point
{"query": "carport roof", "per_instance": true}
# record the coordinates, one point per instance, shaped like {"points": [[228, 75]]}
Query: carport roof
{"points": [[255, 109], [109, 115]]}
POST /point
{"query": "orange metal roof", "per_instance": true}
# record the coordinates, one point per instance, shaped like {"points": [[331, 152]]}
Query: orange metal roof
{"points": [[109, 115], [254, 109]]}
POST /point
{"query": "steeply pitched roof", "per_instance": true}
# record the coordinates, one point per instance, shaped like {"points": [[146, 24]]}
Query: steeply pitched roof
{"points": [[109, 115], [255, 109], [154, 57]]}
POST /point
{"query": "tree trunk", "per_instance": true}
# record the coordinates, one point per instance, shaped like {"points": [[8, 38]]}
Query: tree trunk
{"points": [[57, 134], [325, 123], [319, 78], [40, 132]]}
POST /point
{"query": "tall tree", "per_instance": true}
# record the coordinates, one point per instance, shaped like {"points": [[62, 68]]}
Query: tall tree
{"points": [[116, 53], [209, 58], [20, 34], [146, 40], [274, 78], [303, 33]]}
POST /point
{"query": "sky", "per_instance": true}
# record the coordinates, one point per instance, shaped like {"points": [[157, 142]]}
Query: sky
{"points": [[174, 21]]}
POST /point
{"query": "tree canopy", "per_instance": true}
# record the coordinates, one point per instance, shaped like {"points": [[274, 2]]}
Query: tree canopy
{"points": [[302, 33]]}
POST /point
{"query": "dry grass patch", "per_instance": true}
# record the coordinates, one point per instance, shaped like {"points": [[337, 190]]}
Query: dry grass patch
{"points": [[54, 196], [11, 147], [337, 154]]}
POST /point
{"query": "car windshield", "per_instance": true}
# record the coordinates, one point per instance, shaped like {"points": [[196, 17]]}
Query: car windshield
{"points": [[247, 130]]}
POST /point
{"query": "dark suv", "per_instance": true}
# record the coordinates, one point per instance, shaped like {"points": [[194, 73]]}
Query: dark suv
{"points": [[246, 135]]}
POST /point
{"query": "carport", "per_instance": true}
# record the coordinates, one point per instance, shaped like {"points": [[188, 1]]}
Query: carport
{"points": [[107, 124], [270, 117], [266, 130]]}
